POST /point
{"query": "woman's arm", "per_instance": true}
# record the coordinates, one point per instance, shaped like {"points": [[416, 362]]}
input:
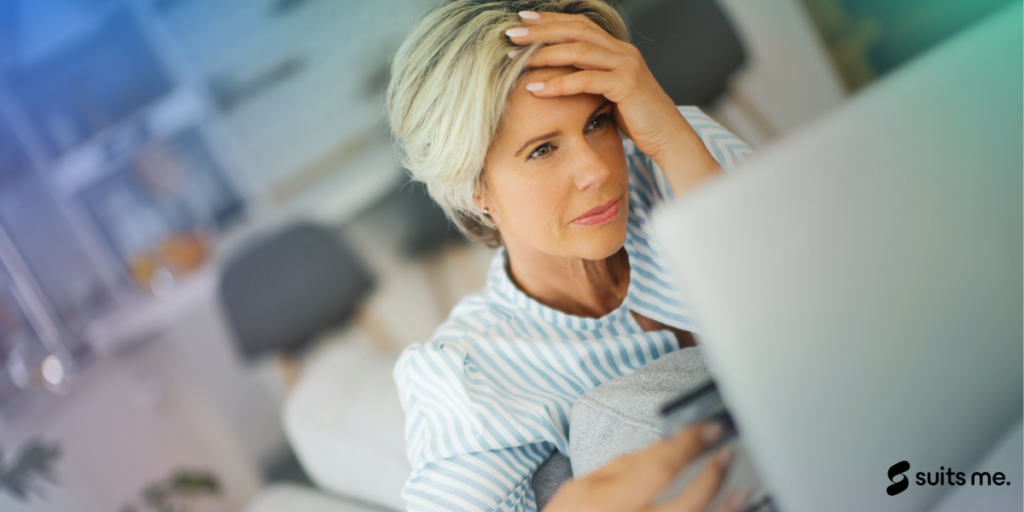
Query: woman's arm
{"points": [[652, 184], [466, 454], [495, 480], [686, 162], [727, 150]]}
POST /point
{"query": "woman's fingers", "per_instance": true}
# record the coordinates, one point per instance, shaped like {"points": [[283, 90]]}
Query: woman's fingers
{"points": [[631, 482], [575, 40], [702, 490], [558, 32], [605, 83], [734, 502], [530, 17], [649, 471], [688, 444], [578, 54]]}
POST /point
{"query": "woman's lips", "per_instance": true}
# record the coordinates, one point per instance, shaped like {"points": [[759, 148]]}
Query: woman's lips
{"points": [[599, 215]]}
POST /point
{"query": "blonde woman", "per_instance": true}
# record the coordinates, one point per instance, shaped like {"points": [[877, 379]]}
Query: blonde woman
{"points": [[510, 112]]}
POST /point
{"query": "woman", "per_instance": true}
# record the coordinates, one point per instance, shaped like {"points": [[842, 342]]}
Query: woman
{"points": [[510, 112]]}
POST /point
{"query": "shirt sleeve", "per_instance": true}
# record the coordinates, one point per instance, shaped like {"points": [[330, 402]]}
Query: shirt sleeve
{"points": [[495, 480], [727, 149], [462, 458]]}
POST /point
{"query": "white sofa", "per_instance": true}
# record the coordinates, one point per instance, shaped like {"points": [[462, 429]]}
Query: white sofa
{"points": [[294, 498], [345, 423]]}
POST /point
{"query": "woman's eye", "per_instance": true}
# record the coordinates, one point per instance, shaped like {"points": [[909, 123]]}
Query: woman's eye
{"points": [[598, 122], [542, 151]]}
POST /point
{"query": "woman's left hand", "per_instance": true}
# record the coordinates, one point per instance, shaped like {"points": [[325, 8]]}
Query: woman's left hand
{"points": [[634, 482], [616, 70]]}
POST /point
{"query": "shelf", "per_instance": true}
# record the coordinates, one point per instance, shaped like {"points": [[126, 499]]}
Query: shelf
{"points": [[334, 201], [90, 161]]}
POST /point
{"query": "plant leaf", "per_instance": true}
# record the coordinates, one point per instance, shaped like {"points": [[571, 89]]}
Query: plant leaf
{"points": [[156, 494], [195, 483], [35, 460]]}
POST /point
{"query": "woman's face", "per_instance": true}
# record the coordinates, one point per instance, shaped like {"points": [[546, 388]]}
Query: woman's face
{"points": [[556, 180]]}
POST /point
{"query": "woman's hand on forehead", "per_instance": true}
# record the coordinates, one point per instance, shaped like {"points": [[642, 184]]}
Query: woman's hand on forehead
{"points": [[616, 70], [607, 66]]}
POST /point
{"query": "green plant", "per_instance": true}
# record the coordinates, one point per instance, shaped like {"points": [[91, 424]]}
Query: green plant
{"points": [[176, 492], [34, 462]]}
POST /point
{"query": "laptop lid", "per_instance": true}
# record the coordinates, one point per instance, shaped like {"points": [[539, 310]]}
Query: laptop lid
{"points": [[859, 286]]}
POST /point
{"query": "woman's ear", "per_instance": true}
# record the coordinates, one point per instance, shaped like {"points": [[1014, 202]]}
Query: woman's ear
{"points": [[480, 197]]}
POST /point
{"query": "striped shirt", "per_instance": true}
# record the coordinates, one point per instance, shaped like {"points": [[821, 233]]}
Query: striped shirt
{"points": [[488, 398]]}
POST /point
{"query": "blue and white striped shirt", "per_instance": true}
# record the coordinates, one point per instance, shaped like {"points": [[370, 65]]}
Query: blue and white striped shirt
{"points": [[488, 398]]}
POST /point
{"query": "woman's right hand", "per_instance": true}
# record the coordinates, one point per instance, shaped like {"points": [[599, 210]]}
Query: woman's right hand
{"points": [[632, 482]]}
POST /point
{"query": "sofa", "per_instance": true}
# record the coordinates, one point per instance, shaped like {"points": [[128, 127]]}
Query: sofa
{"points": [[345, 423]]}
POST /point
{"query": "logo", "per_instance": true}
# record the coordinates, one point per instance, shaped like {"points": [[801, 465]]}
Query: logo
{"points": [[897, 470], [944, 476]]}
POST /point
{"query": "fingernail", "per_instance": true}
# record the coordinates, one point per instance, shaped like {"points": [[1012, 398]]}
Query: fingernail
{"points": [[529, 15], [512, 54], [535, 86], [737, 500], [710, 432], [517, 32], [724, 457]]}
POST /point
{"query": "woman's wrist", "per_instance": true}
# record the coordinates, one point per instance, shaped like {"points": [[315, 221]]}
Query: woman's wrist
{"points": [[685, 160]]}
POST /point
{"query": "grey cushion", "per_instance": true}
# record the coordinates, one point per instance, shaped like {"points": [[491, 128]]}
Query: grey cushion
{"points": [[618, 417], [551, 474], [283, 289], [621, 416]]}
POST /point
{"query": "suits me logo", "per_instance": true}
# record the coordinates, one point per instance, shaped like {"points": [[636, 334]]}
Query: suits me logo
{"points": [[897, 470], [944, 476]]}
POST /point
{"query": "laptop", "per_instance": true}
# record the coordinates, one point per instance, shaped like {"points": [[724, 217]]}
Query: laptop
{"points": [[860, 288]]}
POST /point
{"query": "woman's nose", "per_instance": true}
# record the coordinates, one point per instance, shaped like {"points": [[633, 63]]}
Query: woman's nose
{"points": [[591, 171]]}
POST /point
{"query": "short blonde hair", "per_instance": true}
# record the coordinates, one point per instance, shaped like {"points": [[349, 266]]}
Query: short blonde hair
{"points": [[450, 84]]}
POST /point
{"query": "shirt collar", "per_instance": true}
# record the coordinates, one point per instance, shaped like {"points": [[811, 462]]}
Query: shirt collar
{"points": [[502, 288]]}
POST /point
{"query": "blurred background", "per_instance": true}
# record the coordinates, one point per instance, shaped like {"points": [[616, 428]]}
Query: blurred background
{"points": [[209, 258]]}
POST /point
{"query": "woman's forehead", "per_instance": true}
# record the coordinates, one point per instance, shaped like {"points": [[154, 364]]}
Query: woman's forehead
{"points": [[528, 115]]}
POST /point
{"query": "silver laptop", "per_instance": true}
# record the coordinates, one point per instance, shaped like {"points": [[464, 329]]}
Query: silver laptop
{"points": [[860, 288]]}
